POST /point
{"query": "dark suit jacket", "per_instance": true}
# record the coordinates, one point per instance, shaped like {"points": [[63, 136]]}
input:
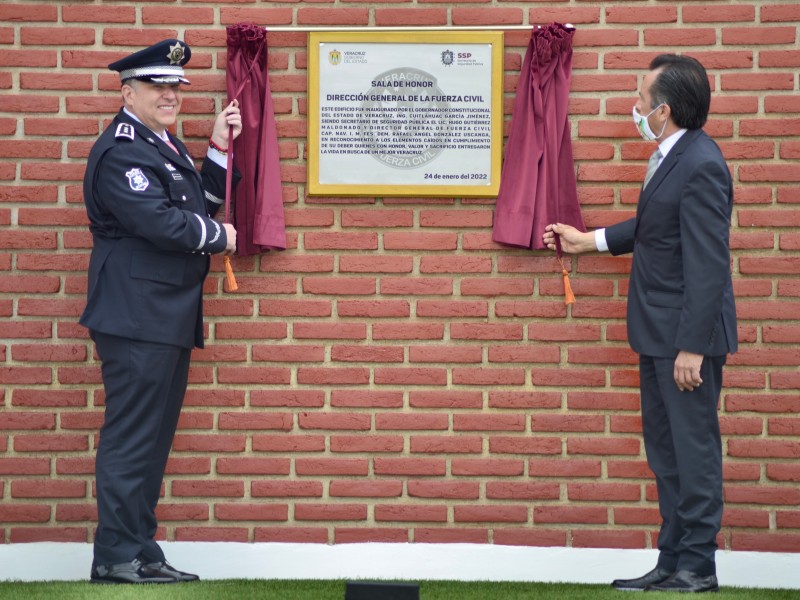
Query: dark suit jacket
{"points": [[681, 295], [150, 216]]}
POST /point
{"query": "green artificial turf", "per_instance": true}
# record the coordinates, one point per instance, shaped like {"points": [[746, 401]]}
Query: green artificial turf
{"points": [[261, 589]]}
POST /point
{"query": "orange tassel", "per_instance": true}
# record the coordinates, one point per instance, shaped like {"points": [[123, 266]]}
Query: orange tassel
{"points": [[229, 277], [569, 297]]}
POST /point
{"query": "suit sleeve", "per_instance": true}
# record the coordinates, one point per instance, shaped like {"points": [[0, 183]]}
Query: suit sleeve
{"points": [[133, 193], [620, 237], [705, 249]]}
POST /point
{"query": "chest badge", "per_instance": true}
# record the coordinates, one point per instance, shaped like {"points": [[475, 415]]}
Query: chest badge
{"points": [[137, 180]]}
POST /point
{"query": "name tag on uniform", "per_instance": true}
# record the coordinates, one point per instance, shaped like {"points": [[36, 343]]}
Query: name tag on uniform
{"points": [[176, 176]]}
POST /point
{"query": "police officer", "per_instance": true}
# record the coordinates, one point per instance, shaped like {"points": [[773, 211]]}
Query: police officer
{"points": [[150, 214]]}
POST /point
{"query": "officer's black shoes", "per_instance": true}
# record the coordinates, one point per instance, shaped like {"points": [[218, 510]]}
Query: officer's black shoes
{"points": [[134, 571], [167, 570], [657, 575], [686, 581]]}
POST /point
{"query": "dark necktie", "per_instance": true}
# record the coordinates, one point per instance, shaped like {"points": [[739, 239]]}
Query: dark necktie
{"points": [[652, 165]]}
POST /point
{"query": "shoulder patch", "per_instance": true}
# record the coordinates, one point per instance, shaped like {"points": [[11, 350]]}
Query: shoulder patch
{"points": [[124, 130], [137, 180]]}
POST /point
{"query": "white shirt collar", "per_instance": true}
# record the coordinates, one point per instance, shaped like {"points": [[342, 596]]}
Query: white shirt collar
{"points": [[138, 120], [667, 144]]}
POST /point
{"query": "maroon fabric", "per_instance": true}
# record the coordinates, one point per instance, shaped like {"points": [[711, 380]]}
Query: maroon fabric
{"points": [[258, 198], [538, 184]]}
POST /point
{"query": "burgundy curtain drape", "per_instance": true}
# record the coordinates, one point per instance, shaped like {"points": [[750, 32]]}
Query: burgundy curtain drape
{"points": [[538, 184], [258, 198]]}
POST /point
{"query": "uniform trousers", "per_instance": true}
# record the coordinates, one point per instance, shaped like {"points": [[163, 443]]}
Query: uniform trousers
{"points": [[684, 451], [145, 383]]}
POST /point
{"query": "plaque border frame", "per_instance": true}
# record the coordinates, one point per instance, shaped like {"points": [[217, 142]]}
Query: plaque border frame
{"points": [[461, 190]]}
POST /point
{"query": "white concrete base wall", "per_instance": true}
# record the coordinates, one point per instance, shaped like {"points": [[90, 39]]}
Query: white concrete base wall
{"points": [[411, 562]]}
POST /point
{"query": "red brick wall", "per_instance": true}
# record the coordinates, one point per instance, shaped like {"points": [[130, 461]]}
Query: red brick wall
{"points": [[394, 375]]}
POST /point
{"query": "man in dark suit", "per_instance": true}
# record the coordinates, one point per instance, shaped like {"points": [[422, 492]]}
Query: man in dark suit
{"points": [[150, 214], [681, 316]]}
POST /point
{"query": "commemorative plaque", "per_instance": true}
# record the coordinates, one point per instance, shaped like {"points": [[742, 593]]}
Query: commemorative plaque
{"points": [[405, 113]]}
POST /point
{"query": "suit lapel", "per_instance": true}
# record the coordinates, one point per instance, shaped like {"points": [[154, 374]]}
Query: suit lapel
{"points": [[670, 161]]}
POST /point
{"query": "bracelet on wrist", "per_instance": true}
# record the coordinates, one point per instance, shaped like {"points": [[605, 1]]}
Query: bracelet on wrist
{"points": [[217, 147]]}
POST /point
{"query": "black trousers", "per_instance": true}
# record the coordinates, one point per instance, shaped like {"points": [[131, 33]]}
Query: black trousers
{"points": [[684, 450], [145, 384]]}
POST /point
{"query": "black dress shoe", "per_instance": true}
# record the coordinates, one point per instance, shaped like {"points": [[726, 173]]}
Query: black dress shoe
{"points": [[167, 570], [130, 572], [657, 575], [686, 581]]}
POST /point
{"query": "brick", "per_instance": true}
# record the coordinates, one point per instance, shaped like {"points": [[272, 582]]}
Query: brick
{"points": [[366, 443], [211, 534], [444, 354], [335, 421], [251, 512], [288, 443], [412, 240], [524, 445], [352, 331], [193, 442], [445, 399], [529, 537], [43, 398], [487, 467], [207, 488], [330, 512], [765, 542], [182, 512], [42, 488], [253, 466], [405, 331], [500, 399], [286, 489], [21, 535], [408, 513], [24, 513], [373, 308], [308, 535], [617, 446], [762, 448], [604, 492], [451, 536], [411, 422], [332, 466], [589, 515], [780, 12], [649, 14], [585, 538], [409, 376], [19, 420], [51, 443], [512, 490], [364, 398], [446, 444], [409, 466]]}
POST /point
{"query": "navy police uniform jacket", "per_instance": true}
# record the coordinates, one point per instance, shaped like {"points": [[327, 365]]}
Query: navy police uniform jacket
{"points": [[150, 214]]}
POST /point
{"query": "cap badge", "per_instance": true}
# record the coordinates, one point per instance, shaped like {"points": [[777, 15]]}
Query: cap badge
{"points": [[175, 55]]}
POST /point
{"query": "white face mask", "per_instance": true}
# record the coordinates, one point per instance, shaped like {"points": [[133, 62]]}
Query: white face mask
{"points": [[644, 127]]}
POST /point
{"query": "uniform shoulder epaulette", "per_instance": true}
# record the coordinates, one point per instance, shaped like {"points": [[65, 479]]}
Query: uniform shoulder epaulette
{"points": [[124, 130]]}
